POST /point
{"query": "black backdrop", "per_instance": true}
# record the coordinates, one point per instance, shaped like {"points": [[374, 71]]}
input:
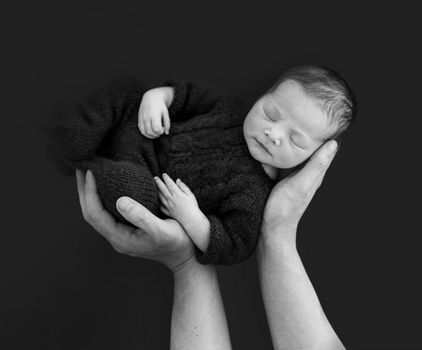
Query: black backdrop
{"points": [[64, 287]]}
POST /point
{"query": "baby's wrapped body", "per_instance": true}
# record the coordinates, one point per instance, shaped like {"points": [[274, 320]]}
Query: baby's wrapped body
{"points": [[205, 149]]}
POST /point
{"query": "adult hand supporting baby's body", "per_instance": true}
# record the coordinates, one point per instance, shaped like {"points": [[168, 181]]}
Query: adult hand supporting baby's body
{"points": [[151, 238], [196, 290]]}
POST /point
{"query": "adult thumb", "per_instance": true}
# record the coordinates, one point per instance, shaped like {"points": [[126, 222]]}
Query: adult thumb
{"points": [[313, 172], [326, 155], [136, 213]]}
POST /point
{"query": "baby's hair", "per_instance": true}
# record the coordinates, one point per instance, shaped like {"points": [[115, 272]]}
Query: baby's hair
{"points": [[330, 88]]}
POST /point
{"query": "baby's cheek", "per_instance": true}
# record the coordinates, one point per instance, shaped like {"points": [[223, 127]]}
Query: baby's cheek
{"points": [[303, 156], [297, 157]]}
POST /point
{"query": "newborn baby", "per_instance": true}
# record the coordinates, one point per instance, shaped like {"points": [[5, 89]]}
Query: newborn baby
{"points": [[218, 162]]}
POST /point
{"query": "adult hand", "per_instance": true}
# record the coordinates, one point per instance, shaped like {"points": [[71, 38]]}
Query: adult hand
{"points": [[295, 316], [196, 290], [151, 238], [291, 196]]}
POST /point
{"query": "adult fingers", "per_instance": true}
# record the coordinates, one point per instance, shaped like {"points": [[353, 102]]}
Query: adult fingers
{"points": [[118, 234], [96, 216], [310, 177], [166, 121], [80, 183]]}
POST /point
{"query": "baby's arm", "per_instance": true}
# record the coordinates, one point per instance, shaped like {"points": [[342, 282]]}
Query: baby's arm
{"points": [[229, 235], [153, 115], [180, 101], [180, 203]]}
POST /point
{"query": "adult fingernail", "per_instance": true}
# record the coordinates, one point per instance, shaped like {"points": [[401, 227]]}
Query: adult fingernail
{"points": [[333, 146], [124, 203]]}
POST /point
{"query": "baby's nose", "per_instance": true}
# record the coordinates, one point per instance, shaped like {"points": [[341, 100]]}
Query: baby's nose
{"points": [[274, 136]]}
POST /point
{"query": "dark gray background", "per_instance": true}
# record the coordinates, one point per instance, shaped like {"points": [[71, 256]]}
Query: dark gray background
{"points": [[63, 286]]}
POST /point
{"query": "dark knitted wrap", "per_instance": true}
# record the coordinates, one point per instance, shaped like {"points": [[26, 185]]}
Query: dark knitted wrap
{"points": [[205, 148]]}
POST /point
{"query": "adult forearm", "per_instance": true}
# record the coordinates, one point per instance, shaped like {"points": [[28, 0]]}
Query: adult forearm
{"points": [[198, 318], [294, 313]]}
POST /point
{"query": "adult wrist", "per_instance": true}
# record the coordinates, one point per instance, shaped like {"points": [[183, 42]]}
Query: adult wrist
{"points": [[272, 255], [175, 264], [183, 266], [191, 269], [278, 239]]}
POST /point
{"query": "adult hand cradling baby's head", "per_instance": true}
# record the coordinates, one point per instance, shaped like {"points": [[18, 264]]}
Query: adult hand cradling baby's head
{"points": [[151, 238], [292, 195]]}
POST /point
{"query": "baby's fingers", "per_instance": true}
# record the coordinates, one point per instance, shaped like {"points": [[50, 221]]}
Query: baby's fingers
{"points": [[183, 187], [141, 126], [172, 187], [156, 127], [166, 121], [147, 127], [162, 187], [163, 200], [165, 211]]}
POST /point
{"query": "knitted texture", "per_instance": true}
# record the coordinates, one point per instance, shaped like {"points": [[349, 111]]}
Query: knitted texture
{"points": [[205, 148]]}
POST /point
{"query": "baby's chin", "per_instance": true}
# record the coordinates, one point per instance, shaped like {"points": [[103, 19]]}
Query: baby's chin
{"points": [[281, 165]]}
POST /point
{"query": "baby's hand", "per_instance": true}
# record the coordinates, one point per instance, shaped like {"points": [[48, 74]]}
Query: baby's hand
{"points": [[177, 199], [153, 116]]}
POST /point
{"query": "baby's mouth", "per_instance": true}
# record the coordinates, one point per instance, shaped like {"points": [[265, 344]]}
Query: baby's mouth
{"points": [[263, 147]]}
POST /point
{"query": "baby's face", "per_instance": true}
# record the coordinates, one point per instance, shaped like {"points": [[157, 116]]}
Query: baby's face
{"points": [[284, 128]]}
